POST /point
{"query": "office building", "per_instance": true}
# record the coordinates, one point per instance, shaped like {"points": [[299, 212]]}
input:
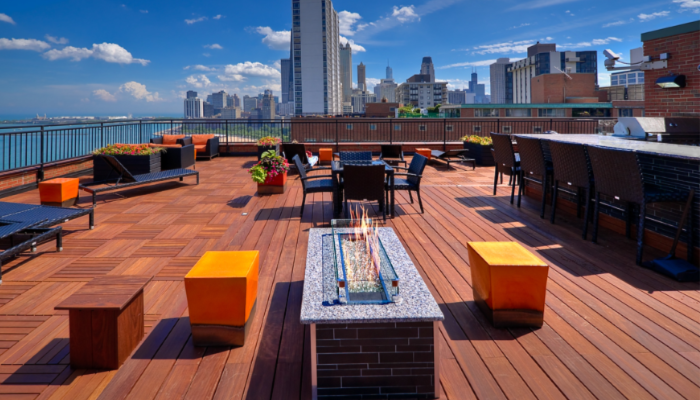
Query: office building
{"points": [[194, 107], [498, 80], [420, 91], [386, 90], [249, 103], [285, 67], [389, 72], [360, 98], [191, 94], [208, 110], [346, 71], [219, 101], [285, 109], [231, 113], [315, 41], [427, 68], [268, 105], [456, 97], [361, 77]]}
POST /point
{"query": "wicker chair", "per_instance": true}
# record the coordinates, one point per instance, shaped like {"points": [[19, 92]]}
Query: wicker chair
{"points": [[413, 177], [355, 156], [321, 184], [392, 154], [618, 174], [364, 182], [533, 164], [506, 161], [572, 168]]}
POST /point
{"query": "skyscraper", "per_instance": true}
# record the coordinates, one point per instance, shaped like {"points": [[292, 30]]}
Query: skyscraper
{"points": [[268, 105], [389, 71], [346, 71], [191, 94], [250, 103], [219, 100], [194, 107], [236, 101], [426, 68], [315, 39], [361, 79], [498, 80], [285, 66]]}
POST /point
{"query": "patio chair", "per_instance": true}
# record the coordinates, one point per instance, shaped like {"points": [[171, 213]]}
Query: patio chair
{"points": [[312, 184], [618, 174], [180, 152], [533, 165], [392, 153], [356, 156], [289, 150], [455, 155], [206, 145], [413, 176], [126, 179], [507, 161], [364, 182], [572, 168]]}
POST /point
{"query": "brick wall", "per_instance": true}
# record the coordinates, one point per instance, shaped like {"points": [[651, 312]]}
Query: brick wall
{"points": [[376, 360], [28, 176], [555, 88], [685, 58]]}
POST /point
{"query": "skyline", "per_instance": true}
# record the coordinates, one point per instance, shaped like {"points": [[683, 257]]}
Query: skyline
{"points": [[66, 58]]}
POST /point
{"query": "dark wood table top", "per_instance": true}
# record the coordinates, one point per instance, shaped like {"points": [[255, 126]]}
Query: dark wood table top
{"points": [[106, 293]]}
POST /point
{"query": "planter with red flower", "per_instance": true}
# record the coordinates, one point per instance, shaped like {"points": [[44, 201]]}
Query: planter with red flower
{"points": [[137, 158], [270, 173], [268, 143]]}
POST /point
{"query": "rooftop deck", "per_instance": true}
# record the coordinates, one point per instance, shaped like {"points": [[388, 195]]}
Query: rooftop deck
{"points": [[612, 330]]}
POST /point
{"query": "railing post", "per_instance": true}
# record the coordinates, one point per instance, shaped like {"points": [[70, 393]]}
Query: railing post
{"points": [[550, 123], [391, 131], [102, 134], [140, 131], [171, 127], [228, 146], [337, 138], [444, 134], [40, 174], [498, 125]]}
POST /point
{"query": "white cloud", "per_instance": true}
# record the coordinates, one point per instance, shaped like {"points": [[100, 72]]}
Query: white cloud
{"points": [[347, 20], [648, 17], [524, 24], [7, 18], [23, 44], [213, 46], [371, 83], [483, 63], [218, 16], [691, 5], [109, 52], [405, 14], [206, 54], [276, 40], [104, 95], [506, 47], [241, 71], [531, 5], [356, 48], [139, 91], [56, 40], [198, 81], [569, 13], [200, 67], [616, 23], [195, 20], [594, 42], [143, 11], [74, 53], [600, 42]]}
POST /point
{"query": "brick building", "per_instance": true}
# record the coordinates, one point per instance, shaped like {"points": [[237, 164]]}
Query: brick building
{"points": [[682, 43], [381, 110], [560, 88]]}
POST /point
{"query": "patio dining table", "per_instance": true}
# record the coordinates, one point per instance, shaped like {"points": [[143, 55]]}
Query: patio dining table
{"points": [[337, 171]]}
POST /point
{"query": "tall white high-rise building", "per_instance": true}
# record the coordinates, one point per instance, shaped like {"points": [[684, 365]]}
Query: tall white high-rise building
{"points": [[316, 53], [346, 70], [498, 80], [386, 90], [389, 72], [427, 68], [194, 107]]}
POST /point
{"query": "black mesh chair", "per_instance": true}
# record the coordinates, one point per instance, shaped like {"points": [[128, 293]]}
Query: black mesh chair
{"points": [[507, 161], [364, 182], [355, 156], [618, 174], [299, 149], [572, 170], [312, 184], [392, 154], [413, 177], [533, 165]]}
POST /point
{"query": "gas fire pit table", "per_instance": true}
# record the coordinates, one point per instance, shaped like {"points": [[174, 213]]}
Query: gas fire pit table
{"points": [[376, 338]]}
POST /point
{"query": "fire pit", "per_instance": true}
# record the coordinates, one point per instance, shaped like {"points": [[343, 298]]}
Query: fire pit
{"points": [[369, 336]]}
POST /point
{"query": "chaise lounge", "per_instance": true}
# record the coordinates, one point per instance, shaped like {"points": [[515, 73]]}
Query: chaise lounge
{"points": [[456, 155]]}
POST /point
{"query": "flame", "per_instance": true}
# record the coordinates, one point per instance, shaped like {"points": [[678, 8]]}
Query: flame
{"points": [[362, 262]]}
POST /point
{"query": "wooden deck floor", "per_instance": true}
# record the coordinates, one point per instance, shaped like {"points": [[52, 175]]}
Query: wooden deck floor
{"points": [[612, 330]]}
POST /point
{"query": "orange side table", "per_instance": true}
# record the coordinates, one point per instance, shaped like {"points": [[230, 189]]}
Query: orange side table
{"points": [[325, 155], [424, 152], [509, 283], [221, 290], [59, 192]]}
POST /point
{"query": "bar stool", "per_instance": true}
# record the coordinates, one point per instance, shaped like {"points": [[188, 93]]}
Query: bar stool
{"points": [[572, 168], [618, 174], [507, 161], [533, 164]]}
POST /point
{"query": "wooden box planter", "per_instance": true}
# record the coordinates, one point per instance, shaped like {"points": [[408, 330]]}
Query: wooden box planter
{"points": [[137, 165], [274, 185], [262, 149], [482, 154]]}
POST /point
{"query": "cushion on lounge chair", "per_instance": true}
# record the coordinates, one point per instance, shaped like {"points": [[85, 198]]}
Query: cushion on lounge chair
{"points": [[172, 139], [165, 146], [201, 140]]}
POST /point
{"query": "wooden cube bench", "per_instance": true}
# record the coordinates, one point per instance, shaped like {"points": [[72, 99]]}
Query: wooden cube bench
{"points": [[425, 152], [59, 192], [325, 156]]}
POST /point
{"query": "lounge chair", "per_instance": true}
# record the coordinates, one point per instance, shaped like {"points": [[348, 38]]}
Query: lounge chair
{"points": [[180, 152], [452, 156], [392, 154], [206, 145], [126, 179], [290, 150]]}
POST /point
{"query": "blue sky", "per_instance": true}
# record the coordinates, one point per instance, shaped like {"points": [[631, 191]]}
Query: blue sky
{"points": [[115, 57]]}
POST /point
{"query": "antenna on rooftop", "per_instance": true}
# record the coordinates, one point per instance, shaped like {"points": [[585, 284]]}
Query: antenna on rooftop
{"points": [[567, 75]]}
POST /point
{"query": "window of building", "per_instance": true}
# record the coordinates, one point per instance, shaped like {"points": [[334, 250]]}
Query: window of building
{"points": [[372, 127], [507, 129], [640, 77], [631, 79], [626, 112], [448, 128], [348, 127], [397, 127], [613, 80], [536, 129], [486, 112], [518, 112], [476, 129], [622, 79], [591, 112], [422, 128], [551, 112]]}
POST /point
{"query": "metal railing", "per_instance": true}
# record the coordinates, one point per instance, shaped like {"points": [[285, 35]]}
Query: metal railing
{"points": [[23, 146]]}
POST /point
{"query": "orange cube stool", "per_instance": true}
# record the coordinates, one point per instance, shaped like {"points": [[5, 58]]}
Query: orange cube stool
{"points": [[221, 290], [425, 153], [325, 155], [509, 283], [59, 192]]}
